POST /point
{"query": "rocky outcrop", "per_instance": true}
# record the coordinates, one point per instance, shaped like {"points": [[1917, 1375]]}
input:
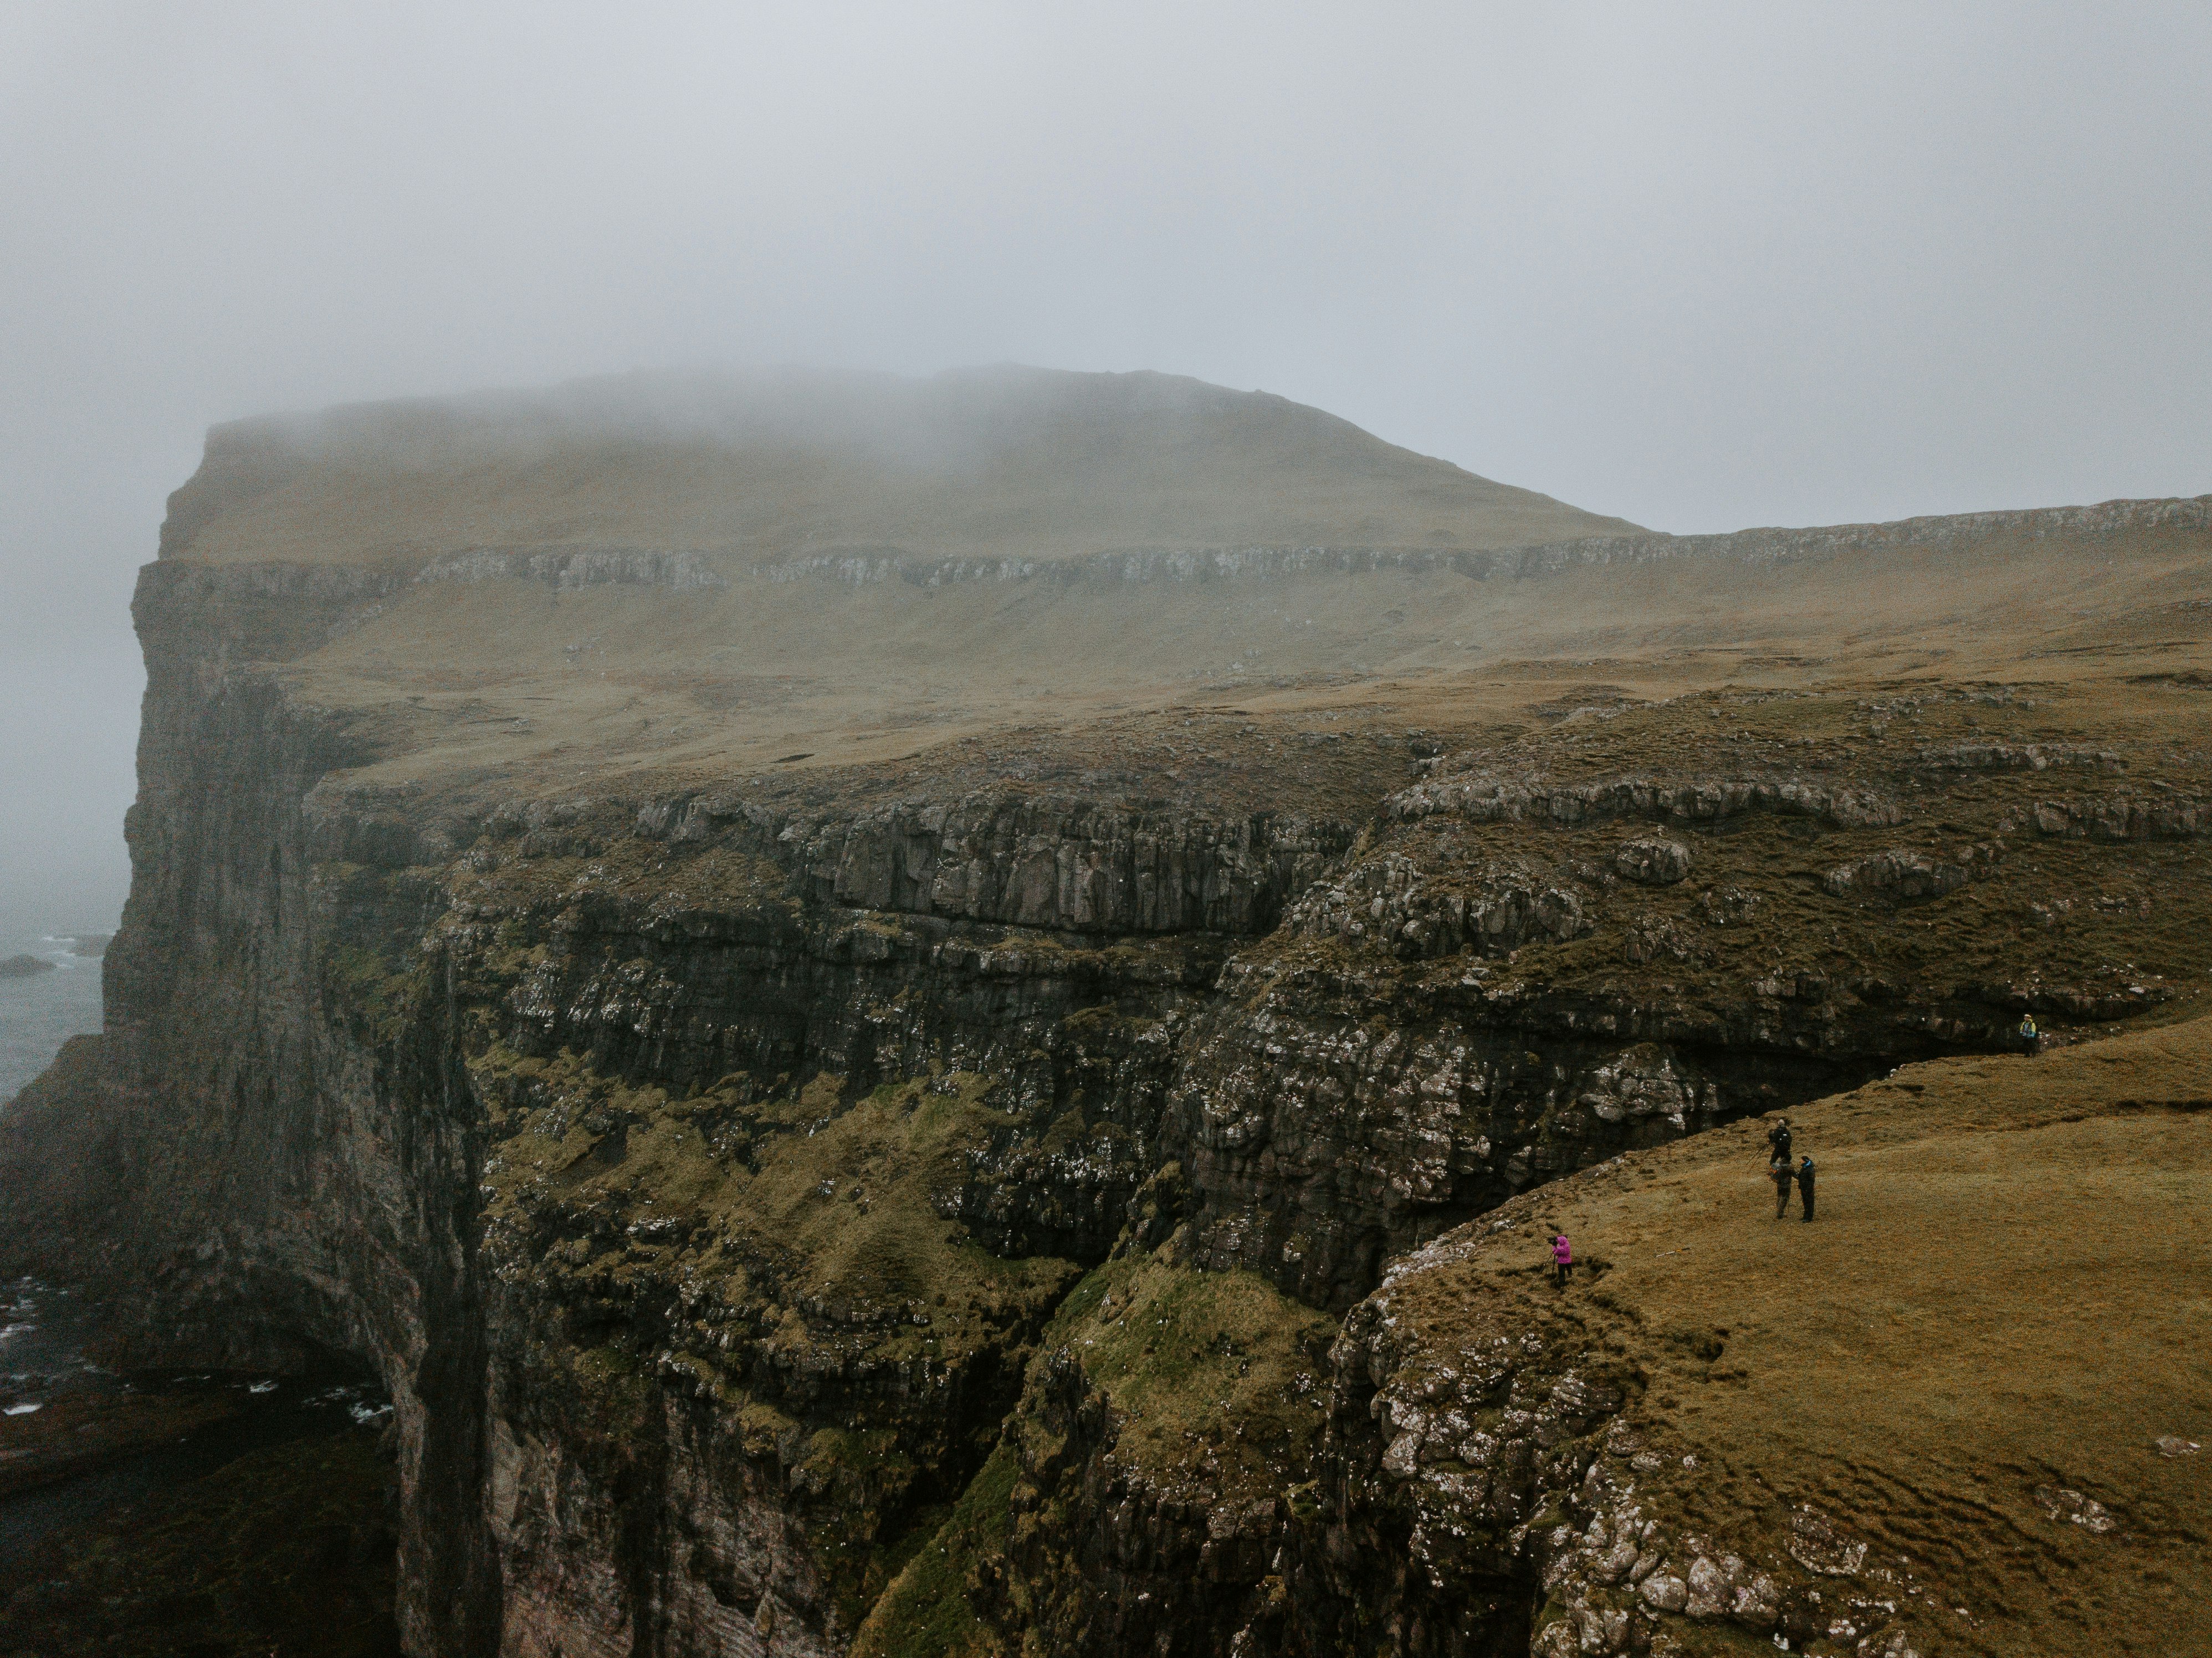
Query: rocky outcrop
{"points": [[2122, 818], [1903, 874], [1391, 901], [55, 1126], [1652, 863], [1484, 798], [571, 570], [2020, 757], [1068, 864]]}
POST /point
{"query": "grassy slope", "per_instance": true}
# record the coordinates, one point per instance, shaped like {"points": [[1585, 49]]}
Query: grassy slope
{"points": [[925, 1611], [1212, 1375], [709, 682], [816, 1237], [1217, 1382], [2006, 1289]]}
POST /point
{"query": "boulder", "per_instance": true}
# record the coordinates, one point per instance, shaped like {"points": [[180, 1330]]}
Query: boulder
{"points": [[1653, 863], [1900, 874]]}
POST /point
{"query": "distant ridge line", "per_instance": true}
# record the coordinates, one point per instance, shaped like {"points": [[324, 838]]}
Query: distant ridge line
{"points": [[573, 567], [1757, 546], [2105, 517]]}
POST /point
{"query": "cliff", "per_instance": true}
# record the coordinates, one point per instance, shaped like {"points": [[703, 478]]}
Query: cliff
{"points": [[832, 1150], [1730, 1431]]}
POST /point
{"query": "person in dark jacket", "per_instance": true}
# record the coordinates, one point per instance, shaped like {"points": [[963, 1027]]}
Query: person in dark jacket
{"points": [[1780, 1170], [1805, 1186], [1777, 1140]]}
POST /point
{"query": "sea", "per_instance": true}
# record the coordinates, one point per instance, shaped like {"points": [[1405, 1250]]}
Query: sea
{"points": [[46, 1329], [39, 1012]]}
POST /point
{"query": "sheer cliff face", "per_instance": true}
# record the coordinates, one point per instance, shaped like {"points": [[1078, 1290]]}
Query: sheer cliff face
{"points": [[936, 1193]]}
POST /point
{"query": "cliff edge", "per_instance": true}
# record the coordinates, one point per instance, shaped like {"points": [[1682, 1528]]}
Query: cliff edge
{"points": [[955, 1096]]}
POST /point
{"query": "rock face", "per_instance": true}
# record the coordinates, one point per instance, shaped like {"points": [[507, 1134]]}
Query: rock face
{"points": [[1653, 863], [953, 1204], [24, 967]]}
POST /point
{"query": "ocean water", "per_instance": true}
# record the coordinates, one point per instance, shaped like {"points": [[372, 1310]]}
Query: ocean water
{"points": [[39, 1013], [43, 1330]]}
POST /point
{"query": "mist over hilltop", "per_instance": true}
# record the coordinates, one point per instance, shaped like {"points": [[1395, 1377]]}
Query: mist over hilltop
{"points": [[1699, 269], [1004, 460]]}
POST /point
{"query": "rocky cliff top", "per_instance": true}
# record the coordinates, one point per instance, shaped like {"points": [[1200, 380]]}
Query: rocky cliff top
{"points": [[1898, 1429]]}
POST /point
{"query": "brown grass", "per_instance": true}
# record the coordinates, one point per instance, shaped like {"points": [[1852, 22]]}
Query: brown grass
{"points": [[2006, 1288], [1019, 472]]}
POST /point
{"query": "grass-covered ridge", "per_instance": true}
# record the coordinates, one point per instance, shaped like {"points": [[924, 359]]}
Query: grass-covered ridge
{"points": [[1996, 1319], [1216, 1380], [928, 1610]]}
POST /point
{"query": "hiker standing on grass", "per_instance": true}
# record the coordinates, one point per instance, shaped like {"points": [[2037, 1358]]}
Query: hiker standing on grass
{"points": [[1780, 1170], [1778, 1138], [2030, 1037], [1563, 1259], [1805, 1186]]}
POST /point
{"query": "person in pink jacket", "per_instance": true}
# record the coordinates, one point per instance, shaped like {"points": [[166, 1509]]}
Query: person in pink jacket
{"points": [[1563, 1259]]}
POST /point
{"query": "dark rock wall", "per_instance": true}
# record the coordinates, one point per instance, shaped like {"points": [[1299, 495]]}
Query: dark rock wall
{"points": [[291, 1178]]}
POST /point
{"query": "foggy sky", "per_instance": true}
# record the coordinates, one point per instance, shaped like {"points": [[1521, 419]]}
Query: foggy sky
{"points": [[1701, 267]]}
